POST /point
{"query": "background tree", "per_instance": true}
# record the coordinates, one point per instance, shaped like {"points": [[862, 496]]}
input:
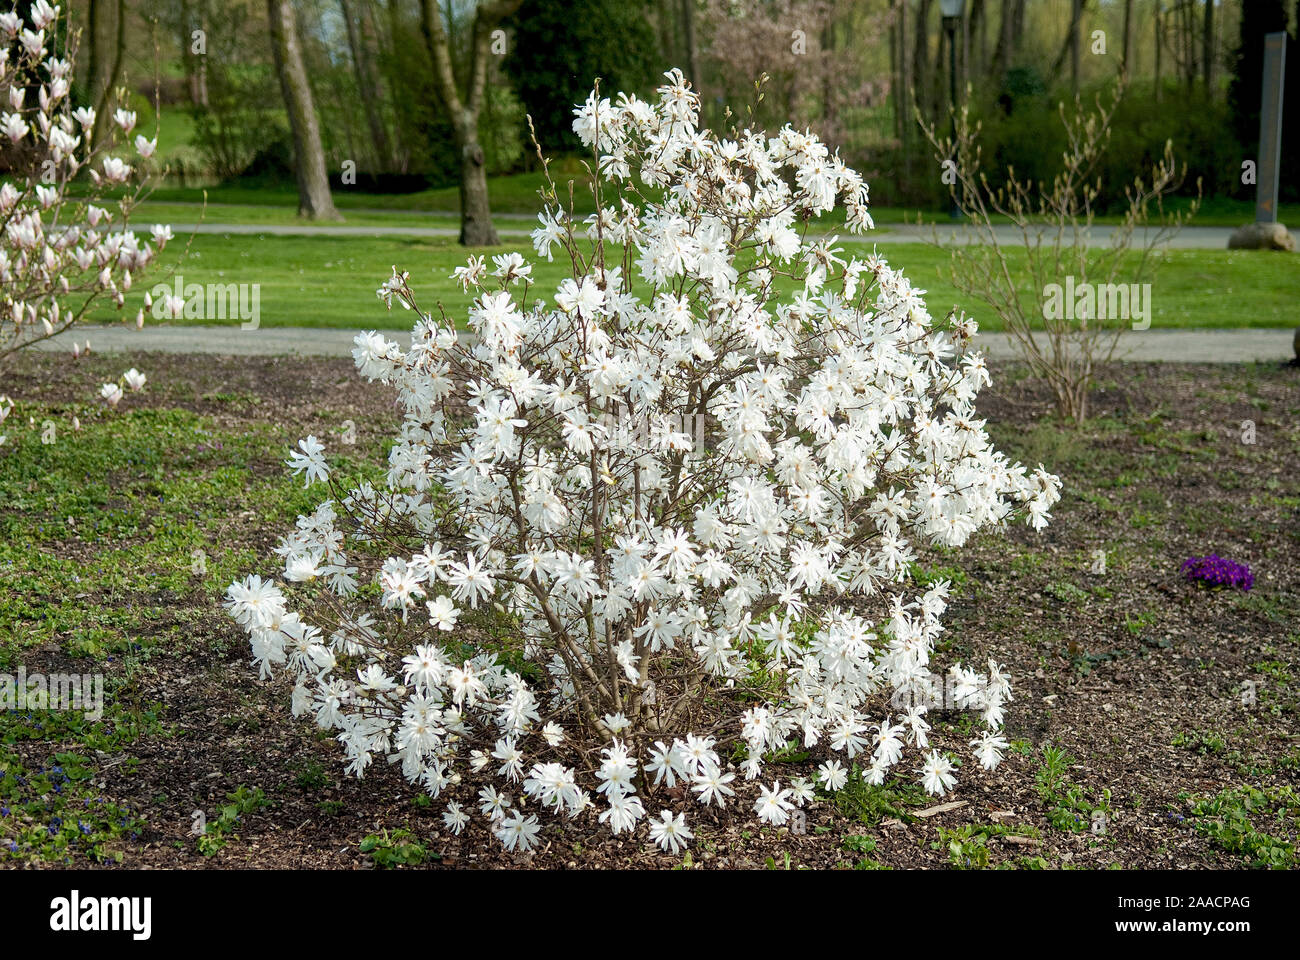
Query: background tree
{"points": [[1258, 17], [476, 229], [193, 31], [818, 76], [559, 49], [1071, 45], [367, 84], [314, 200], [103, 87]]}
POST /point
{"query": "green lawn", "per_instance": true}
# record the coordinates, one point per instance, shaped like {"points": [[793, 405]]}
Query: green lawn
{"points": [[331, 281], [517, 194], [513, 194], [177, 213]]}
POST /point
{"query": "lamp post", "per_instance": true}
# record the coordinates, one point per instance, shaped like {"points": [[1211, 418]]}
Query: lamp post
{"points": [[952, 11]]}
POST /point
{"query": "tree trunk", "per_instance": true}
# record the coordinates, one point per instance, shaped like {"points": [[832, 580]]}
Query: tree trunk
{"points": [[367, 89], [667, 24], [1002, 53], [896, 66], [402, 156], [830, 109], [1074, 46], [94, 45], [1071, 46], [196, 65], [476, 228], [105, 98], [314, 200], [1207, 46], [978, 25], [904, 97], [921, 80], [963, 58], [1127, 42], [688, 29], [1159, 35]]}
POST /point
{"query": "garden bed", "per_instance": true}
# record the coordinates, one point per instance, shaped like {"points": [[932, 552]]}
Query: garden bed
{"points": [[1154, 722]]}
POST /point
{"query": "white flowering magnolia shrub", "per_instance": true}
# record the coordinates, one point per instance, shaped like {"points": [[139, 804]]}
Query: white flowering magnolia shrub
{"points": [[687, 490], [61, 250]]}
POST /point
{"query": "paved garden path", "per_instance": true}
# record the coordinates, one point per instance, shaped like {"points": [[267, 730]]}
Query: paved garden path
{"points": [[511, 228], [1178, 346]]}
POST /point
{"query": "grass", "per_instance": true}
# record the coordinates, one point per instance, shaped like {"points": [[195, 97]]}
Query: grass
{"points": [[181, 215], [968, 846], [517, 194], [330, 281], [213, 835], [54, 813], [141, 492]]}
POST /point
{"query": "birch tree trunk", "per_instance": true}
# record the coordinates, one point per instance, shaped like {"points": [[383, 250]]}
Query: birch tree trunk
{"points": [[922, 80]]}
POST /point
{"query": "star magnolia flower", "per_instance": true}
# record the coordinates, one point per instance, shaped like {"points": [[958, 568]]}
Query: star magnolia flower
{"points": [[774, 806], [308, 461], [936, 774], [670, 833]]}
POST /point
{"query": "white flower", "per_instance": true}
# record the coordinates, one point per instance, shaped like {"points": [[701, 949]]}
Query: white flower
{"points": [[494, 804], [470, 580], [454, 818], [442, 613], [255, 602], [302, 568], [832, 775], [616, 722], [988, 750], [623, 813], [553, 734], [517, 833], [713, 786], [936, 774], [308, 461], [115, 171], [670, 833], [134, 379], [773, 806]]}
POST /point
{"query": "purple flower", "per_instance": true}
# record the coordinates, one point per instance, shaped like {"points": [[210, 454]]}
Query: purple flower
{"points": [[1215, 571]]}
